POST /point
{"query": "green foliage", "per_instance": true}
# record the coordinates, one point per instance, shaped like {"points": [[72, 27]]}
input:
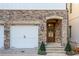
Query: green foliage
{"points": [[42, 49], [68, 47]]}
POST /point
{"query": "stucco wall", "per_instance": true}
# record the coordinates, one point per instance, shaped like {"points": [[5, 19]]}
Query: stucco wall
{"points": [[74, 25], [74, 22]]}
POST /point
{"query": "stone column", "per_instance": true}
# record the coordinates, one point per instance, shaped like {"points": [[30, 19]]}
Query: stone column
{"points": [[45, 32], [6, 35], [64, 32], [43, 27]]}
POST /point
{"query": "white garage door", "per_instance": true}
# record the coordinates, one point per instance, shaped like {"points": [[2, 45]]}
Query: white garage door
{"points": [[24, 36], [1, 36]]}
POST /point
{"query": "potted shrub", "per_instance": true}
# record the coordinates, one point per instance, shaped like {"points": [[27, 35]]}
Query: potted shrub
{"points": [[68, 49], [42, 49]]}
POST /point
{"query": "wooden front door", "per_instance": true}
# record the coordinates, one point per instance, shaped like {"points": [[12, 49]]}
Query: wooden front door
{"points": [[50, 32]]}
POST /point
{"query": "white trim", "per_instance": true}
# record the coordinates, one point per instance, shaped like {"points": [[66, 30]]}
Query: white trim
{"points": [[26, 22], [54, 17]]}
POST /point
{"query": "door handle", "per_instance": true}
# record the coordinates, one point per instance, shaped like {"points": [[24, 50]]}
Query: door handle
{"points": [[24, 36]]}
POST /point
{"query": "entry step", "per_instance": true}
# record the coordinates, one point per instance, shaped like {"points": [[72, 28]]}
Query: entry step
{"points": [[50, 45], [55, 50]]}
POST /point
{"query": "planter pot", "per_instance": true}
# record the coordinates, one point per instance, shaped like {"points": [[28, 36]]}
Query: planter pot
{"points": [[70, 53], [42, 53]]}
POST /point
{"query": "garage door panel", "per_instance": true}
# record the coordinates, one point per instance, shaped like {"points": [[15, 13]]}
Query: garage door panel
{"points": [[24, 36]]}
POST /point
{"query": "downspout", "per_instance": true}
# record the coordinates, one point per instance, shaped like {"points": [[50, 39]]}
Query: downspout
{"points": [[67, 23]]}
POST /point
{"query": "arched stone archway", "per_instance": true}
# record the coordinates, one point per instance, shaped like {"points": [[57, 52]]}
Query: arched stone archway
{"points": [[60, 32], [54, 28]]}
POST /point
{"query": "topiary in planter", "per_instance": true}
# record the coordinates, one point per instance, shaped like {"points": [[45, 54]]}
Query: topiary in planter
{"points": [[68, 49], [42, 49]]}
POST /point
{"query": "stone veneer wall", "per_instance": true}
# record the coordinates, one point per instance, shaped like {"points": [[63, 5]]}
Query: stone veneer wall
{"points": [[8, 16], [58, 33]]}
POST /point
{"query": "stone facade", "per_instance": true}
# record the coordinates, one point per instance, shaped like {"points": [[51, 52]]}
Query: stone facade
{"points": [[58, 32], [34, 17]]}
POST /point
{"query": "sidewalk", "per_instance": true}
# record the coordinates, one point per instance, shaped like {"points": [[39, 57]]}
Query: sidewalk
{"points": [[27, 52]]}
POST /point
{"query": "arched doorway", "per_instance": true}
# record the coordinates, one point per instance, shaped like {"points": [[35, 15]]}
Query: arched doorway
{"points": [[54, 31]]}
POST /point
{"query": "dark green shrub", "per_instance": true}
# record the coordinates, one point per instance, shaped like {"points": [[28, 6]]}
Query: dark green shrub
{"points": [[42, 49], [68, 49]]}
